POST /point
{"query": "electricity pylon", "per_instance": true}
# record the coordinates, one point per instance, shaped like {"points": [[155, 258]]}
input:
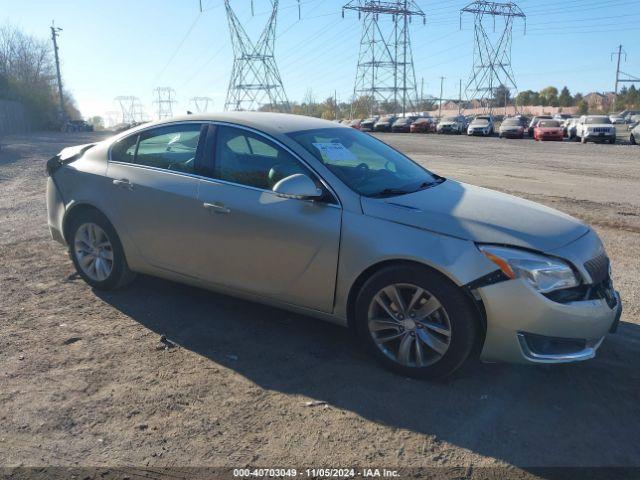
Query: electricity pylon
{"points": [[128, 107], [255, 79], [201, 104], [385, 73], [165, 100], [491, 52]]}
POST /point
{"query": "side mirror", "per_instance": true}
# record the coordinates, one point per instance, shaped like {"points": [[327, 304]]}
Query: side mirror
{"points": [[297, 186]]}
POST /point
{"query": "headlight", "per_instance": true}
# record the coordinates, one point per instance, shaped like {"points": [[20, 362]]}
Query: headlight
{"points": [[543, 273]]}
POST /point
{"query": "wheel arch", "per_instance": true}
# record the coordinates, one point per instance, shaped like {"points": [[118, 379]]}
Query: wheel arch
{"points": [[76, 209], [375, 268]]}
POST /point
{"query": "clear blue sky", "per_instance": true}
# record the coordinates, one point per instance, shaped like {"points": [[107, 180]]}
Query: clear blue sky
{"points": [[119, 47]]}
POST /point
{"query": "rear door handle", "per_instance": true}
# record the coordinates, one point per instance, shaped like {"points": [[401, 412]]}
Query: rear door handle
{"points": [[217, 207], [123, 183]]}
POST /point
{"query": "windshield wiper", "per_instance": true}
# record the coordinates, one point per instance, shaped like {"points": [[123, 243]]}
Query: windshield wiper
{"points": [[390, 192]]}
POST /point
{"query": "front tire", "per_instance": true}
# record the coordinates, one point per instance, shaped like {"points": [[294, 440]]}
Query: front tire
{"points": [[632, 140], [96, 251], [416, 322]]}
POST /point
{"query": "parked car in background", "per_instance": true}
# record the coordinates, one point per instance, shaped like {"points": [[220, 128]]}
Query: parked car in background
{"points": [[78, 126], [635, 120], [324, 220], [634, 135], [569, 127], [367, 124], [355, 124], [548, 130], [618, 119], [403, 124], [456, 124], [482, 125], [534, 122], [423, 125], [511, 128], [561, 117], [384, 124], [595, 128]]}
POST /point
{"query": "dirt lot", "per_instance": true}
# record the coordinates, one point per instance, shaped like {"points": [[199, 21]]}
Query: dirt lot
{"points": [[83, 382]]}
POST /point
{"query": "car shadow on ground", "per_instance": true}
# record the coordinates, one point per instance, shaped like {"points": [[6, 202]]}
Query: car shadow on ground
{"points": [[583, 415]]}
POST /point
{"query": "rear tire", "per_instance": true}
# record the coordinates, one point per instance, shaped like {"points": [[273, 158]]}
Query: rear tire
{"points": [[96, 251], [632, 140], [583, 140], [401, 333]]}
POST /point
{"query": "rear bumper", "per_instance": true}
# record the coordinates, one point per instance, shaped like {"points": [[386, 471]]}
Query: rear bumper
{"points": [[524, 326]]}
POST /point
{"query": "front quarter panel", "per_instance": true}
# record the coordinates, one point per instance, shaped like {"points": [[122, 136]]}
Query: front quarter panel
{"points": [[368, 241]]}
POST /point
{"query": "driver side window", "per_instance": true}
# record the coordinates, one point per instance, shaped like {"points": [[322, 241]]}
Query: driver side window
{"points": [[246, 158], [172, 148]]}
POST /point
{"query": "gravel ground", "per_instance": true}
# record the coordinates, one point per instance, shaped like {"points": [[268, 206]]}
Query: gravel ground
{"points": [[84, 381]]}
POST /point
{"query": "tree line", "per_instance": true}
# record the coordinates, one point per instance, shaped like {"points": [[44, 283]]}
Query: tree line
{"points": [[27, 75]]}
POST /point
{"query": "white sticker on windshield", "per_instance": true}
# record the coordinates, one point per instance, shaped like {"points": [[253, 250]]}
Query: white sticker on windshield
{"points": [[335, 152]]}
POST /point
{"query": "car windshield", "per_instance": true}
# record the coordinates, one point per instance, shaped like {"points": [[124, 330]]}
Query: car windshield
{"points": [[511, 122], [597, 120], [387, 118], [449, 119], [480, 121], [549, 123], [364, 163], [423, 120]]}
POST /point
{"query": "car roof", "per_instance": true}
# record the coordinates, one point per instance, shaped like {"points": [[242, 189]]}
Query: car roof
{"points": [[265, 121]]}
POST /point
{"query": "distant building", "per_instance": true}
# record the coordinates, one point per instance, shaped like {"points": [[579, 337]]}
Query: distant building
{"points": [[599, 101]]}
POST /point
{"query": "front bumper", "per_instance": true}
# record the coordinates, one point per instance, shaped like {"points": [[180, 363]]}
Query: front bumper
{"points": [[599, 136], [518, 318], [478, 133]]}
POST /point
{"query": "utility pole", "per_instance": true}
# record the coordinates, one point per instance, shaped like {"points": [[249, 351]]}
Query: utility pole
{"points": [[460, 98], [54, 36], [620, 53], [440, 107], [621, 77]]}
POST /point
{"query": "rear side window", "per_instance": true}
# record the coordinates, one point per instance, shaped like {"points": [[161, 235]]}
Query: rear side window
{"points": [[125, 150], [172, 147]]}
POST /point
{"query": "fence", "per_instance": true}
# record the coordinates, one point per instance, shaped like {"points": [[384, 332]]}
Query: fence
{"points": [[13, 117], [510, 110]]}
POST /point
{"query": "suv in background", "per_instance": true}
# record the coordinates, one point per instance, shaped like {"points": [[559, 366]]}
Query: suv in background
{"points": [[403, 124], [595, 128], [77, 126], [511, 128], [455, 124], [482, 125], [384, 124], [367, 124]]}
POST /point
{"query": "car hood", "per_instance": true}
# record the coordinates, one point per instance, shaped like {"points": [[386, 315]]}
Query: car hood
{"points": [[480, 215], [448, 124]]}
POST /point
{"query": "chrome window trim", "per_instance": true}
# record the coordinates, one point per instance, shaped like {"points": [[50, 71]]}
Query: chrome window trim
{"points": [[217, 180]]}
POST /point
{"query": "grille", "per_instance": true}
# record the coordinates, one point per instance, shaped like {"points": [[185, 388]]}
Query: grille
{"points": [[600, 129], [598, 268]]}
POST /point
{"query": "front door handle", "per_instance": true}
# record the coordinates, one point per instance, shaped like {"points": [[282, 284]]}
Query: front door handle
{"points": [[123, 183], [217, 207]]}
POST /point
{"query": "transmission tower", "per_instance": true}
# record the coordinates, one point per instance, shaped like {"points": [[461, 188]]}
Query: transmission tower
{"points": [[385, 73], [201, 104], [164, 100], [621, 77], [127, 107], [255, 79], [492, 50], [111, 118]]}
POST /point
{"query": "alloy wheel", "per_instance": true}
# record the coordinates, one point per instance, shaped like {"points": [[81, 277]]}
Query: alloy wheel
{"points": [[409, 325], [93, 251]]}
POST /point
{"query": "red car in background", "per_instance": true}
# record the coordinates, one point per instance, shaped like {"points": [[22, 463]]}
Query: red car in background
{"points": [[423, 125], [548, 130]]}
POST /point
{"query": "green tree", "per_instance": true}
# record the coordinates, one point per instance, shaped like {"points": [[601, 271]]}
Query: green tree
{"points": [[549, 96], [583, 107], [565, 99], [97, 122]]}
